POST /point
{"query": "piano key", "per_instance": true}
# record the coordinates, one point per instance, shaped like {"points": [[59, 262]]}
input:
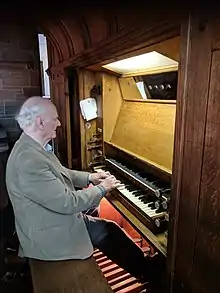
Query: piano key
{"points": [[136, 197], [147, 177], [132, 174], [143, 206]]}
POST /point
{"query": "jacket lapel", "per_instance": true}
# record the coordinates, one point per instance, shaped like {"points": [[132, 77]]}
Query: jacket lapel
{"points": [[25, 139], [55, 160]]}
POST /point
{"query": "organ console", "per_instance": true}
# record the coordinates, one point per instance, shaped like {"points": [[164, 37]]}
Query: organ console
{"points": [[136, 117], [137, 149]]}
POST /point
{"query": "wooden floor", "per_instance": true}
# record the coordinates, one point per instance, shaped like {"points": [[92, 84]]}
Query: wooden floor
{"points": [[119, 280]]}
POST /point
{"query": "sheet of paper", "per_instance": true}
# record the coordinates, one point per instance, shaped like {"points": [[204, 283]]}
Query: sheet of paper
{"points": [[88, 108]]}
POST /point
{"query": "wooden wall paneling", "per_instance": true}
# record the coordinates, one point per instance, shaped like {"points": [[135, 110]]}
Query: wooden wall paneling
{"points": [[139, 15], [56, 30], [112, 102], [178, 154], [61, 104], [154, 125], [169, 48], [59, 99], [74, 32], [82, 23], [206, 269], [97, 24], [67, 37], [87, 80], [99, 100], [72, 85], [55, 52], [214, 16], [193, 94], [129, 88], [112, 20], [82, 123], [68, 123], [96, 135]]}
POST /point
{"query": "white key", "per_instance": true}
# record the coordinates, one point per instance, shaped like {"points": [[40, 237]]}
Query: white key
{"points": [[135, 200]]}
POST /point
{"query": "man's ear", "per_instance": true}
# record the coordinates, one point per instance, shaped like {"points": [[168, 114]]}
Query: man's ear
{"points": [[39, 122]]}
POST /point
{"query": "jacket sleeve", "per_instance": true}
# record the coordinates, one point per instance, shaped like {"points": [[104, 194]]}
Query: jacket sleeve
{"points": [[38, 183], [79, 178]]}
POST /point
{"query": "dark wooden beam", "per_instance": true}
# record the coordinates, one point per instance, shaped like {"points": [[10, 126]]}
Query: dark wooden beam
{"points": [[121, 43], [191, 114]]}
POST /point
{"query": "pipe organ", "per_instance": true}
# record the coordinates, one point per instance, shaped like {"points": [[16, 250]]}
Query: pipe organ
{"points": [[138, 139], [133, 139]]}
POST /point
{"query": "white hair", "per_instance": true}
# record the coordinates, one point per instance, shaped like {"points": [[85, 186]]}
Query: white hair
{"points": [[29, 111]]}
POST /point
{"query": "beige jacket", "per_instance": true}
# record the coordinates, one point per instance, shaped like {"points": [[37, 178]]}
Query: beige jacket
{"points": [[47, 207]]}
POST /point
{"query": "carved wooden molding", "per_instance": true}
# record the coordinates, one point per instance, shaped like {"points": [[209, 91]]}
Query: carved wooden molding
{"points": [[56, 75], [121, 43]]}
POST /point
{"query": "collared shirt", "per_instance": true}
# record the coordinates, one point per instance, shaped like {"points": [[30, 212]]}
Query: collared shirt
{"points": [[48, 147]]}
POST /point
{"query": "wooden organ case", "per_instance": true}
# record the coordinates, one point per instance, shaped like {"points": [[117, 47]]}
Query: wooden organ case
{"points": [[138, 148], [133, 138]]}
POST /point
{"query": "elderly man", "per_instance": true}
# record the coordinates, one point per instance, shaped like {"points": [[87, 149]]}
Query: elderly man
{"points": [[48, 209]]}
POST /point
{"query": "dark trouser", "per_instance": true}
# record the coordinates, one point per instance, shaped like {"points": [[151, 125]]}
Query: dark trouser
{"points": [[109, 238], [4, 210], [6, 230], [3, 189]]}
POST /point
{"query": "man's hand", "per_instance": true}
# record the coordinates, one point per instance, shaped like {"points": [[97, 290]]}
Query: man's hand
{"points": [[96, 178], [110, 183]]}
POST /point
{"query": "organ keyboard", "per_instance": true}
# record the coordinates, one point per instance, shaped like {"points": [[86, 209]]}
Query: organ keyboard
{"points": [[142, 196]]}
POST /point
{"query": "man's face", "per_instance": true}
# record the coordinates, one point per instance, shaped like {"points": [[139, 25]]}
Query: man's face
{"points": [[50, 122]]}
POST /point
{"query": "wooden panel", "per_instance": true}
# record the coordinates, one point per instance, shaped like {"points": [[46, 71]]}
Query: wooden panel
{"points": [[96, 23], [147, 130], [59, 98], [125, 42], [68, 276], [169, 48], [215, 31], [129, 89], [159, 241], [112, 101], [192, 107], [68, 126], [87, 80], [207, 253], [73, 29], [178, 155]]}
